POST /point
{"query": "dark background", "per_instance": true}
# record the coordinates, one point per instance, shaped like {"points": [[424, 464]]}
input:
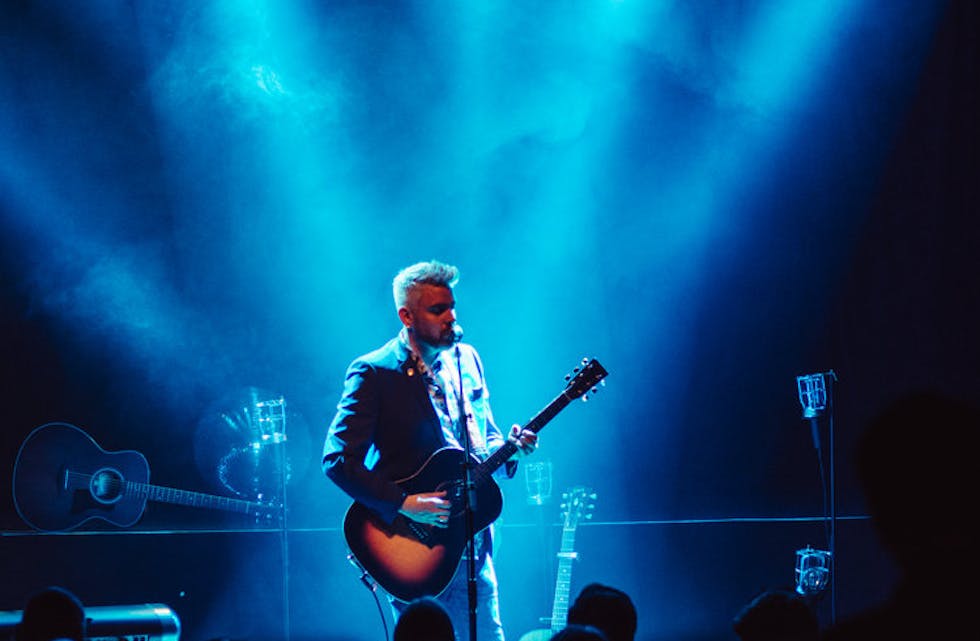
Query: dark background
{"points": [[171, 242]]}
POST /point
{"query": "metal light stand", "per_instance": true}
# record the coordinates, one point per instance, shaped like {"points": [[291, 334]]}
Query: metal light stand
{"points": [[538, 482], [271, 419], [813, 566]]}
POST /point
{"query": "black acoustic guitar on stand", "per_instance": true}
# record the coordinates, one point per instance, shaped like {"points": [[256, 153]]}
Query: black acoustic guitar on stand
{"points": [[62, 479]]}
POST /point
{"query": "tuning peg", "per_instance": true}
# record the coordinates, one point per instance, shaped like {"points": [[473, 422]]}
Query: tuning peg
{"points": [[584, 360], [585, 398], [594, 390], [568, 377]]}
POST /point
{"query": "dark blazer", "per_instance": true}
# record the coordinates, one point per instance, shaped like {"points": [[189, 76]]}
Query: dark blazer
{"points": [[386, 427]]}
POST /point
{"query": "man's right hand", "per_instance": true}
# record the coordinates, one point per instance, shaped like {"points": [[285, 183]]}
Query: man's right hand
{"points": [[430, 508]]}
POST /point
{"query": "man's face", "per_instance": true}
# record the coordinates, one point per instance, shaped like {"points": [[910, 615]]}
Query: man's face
{"points": [[430, 312]]}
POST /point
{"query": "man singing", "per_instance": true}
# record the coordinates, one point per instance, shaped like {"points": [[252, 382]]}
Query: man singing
{"points": [[400, 404]]}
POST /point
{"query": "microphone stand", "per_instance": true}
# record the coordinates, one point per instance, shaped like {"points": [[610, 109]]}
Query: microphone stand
{"points": [[469, 498]]}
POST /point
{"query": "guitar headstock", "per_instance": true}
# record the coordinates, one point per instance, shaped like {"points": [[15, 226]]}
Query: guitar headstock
{"points": [[584, 378], [577, 504]]}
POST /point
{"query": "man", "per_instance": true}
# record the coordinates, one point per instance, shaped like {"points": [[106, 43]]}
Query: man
{"points": [[400, 405]]}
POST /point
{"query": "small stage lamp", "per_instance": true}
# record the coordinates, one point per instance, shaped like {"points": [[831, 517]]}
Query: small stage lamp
{"points": [[812, 571]]}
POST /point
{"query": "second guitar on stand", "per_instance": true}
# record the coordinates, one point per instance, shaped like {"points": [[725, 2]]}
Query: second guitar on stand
{"points": [[63, 479], [578, 505]]}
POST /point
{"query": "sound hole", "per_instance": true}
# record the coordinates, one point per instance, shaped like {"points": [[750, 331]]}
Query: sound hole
{"points": [[106, 486]]}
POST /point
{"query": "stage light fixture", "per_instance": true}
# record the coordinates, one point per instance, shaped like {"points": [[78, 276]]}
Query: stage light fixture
{"points": [[812, 571], [138, 622]]}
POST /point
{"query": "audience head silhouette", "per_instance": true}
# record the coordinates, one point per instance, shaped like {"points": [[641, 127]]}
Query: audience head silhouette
{"points": [[52, 613], [424, 619], [777, 615], [576, 632], [915, 463], [607, 608]]}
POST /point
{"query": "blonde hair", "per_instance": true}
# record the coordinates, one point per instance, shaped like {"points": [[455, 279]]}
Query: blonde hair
{"points": [[430, 272]]}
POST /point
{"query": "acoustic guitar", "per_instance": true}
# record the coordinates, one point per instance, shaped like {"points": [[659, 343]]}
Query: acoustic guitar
{"points": [[410, 559], [62, 478], [578, 505]]}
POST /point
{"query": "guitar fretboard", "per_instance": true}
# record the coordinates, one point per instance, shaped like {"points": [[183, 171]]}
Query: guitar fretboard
{"points": [[168, 494], [559, 612], [503, 454], [195, 499]]}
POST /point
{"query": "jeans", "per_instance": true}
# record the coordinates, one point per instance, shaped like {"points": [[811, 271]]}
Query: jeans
{"points": [[455, 598]]}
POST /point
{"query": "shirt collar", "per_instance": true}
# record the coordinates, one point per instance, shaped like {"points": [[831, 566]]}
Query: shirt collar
{"points": [[413, 359]]}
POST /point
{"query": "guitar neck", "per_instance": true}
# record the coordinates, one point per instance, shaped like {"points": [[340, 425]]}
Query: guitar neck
{"points": [[195, 499], [559, 611], [508, 449]]}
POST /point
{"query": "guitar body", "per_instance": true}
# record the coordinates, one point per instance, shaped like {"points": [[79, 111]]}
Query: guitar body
{"points": [[410, 559], [62, 478]]}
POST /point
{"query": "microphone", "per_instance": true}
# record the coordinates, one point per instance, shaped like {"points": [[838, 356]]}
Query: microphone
{"points": [[457, 333]]}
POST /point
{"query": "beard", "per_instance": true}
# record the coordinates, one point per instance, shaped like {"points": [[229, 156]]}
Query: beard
{"points": [[442, 340], [446, 339]]}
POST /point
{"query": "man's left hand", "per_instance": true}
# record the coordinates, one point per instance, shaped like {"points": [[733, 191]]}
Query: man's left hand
{"points": [[525, 440]]}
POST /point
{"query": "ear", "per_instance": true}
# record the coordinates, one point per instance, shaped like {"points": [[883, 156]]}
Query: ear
{"points": [[405, 315]]}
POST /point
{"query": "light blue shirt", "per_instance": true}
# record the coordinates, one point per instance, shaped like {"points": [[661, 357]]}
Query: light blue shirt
{"points": [[442, 380]]}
